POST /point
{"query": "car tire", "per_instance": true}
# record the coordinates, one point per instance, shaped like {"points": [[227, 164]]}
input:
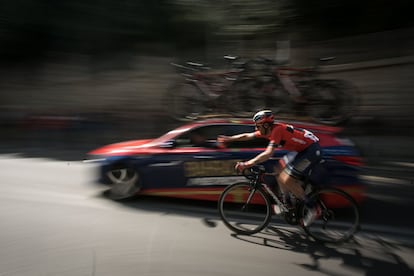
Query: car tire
{"points": [[124, 181]]}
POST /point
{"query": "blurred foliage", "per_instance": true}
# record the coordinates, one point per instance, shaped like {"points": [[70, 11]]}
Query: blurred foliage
{"points": [[29, 28]]}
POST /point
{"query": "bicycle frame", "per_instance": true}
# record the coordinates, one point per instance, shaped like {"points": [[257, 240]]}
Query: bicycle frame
{"points": [[260, 181], [286, 76], [211, 84]]}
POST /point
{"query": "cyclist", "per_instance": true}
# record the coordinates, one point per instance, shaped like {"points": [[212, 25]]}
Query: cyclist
{"points": [[304, 152]]}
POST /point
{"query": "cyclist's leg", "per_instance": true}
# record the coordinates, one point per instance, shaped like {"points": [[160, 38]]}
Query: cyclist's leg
{"points": [[291, 184], [297, 169], [290, 179], [281, 176]]}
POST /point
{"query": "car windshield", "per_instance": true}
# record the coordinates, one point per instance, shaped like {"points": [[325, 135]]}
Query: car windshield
{"points": [[172, 134]]}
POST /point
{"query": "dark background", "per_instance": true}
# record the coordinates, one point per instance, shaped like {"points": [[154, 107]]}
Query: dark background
{"points": [[78, 74], [31, 29]]}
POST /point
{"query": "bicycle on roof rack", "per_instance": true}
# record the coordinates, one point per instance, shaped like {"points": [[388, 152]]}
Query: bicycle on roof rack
{"points": [[297, 91], [202, 91], [257, 83], [247, 208]]}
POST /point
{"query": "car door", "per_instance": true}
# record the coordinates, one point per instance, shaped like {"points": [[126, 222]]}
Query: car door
{"points": [[206, 165], [185, 163], [214, 166]]}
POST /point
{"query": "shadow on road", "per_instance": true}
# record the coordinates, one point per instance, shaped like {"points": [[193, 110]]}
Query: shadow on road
{"points": [[367, 256]]}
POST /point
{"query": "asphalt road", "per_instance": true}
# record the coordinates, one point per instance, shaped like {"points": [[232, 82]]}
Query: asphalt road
{"points": [[55, 221]]}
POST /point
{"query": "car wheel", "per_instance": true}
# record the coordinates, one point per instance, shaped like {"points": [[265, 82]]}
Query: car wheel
{"points": [[125, 182]]}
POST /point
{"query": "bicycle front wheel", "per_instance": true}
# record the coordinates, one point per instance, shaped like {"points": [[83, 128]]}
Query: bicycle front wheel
{"points": [[184, 102], [338, 216], [244, 209]]}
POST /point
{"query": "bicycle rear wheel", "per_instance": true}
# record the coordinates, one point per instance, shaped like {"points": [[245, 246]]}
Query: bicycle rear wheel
{"points": [[338, 219], [331, 102], [244, 209]]}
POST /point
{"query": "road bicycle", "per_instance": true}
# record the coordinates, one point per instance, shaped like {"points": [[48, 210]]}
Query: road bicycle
{"points": [[247, 208], [296, 91], [202, 91]]}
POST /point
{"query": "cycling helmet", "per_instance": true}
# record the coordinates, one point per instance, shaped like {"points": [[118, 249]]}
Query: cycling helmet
{"points": [[263, 116]]}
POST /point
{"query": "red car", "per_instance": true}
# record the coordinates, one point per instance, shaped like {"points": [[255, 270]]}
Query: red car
{"points": [[176, 165]]}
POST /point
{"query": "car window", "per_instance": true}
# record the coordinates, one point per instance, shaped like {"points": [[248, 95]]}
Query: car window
{"points": [[237, 129], [183, 141], [210, 133], [204, 136]]}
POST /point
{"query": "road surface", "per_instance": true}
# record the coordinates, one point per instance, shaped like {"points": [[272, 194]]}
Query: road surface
{"points": [[55, 221]]}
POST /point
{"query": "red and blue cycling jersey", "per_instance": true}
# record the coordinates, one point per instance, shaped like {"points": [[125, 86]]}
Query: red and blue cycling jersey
{"points": [[289, 137]]}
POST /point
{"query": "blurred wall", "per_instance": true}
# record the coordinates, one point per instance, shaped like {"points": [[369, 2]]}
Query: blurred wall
{"points": [[380, 64], [126, 91]]}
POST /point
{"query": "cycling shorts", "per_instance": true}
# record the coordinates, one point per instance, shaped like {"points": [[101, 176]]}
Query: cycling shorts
{"points": [[299, 164]]}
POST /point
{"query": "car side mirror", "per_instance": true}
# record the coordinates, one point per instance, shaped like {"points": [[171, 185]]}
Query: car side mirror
{"points": [[169, 144]]}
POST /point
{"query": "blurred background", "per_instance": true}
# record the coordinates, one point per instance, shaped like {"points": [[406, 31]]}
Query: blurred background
{"points": [[78, 74]]}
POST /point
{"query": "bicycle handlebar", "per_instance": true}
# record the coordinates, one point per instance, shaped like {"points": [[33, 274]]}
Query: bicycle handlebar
{"points": [[193, 67], [253, 172]]}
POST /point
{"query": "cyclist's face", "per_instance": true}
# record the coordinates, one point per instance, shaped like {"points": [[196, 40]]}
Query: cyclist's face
{"points": [[261, 128]]}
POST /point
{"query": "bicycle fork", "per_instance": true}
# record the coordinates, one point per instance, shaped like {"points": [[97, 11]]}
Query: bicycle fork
{"points": [[249, 198]]}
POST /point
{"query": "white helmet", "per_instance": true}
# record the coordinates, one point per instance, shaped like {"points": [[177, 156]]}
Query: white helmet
{"points": [[263, 116]]}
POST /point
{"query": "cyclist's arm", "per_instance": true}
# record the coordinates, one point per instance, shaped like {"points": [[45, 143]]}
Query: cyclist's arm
{"points": [[262, 157], [238, 137]]}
